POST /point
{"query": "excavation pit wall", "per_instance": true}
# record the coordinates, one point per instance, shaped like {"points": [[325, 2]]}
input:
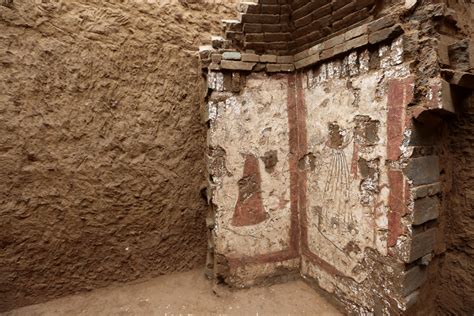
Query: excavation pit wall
{"points": [[315, 172]]}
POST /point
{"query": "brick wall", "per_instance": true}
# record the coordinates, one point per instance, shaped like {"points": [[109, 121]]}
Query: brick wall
{"points": [[287, 27]]}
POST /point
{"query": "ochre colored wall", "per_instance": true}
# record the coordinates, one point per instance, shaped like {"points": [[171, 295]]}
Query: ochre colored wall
{"points": [[101, 145]]}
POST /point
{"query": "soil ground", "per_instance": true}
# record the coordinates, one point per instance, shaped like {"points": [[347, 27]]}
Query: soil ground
{"points": [[184, 294]]}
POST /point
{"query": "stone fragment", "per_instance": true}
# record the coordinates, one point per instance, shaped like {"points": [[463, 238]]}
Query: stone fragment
{"points": [[231, 56], [259, 67], [214, 66], [425, 210], [216, 58], [447, 97], [423, 170], [237, 65], [217, 42], [205, 51], [443, 54]]}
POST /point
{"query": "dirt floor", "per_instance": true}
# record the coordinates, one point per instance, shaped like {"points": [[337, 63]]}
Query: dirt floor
{"points": [[187, 293]]}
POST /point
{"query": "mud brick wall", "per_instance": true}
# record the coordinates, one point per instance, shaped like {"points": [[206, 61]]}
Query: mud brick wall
{"points": [[101, 146]]}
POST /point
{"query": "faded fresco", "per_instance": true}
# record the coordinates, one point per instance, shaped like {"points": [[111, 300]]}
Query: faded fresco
{"points": [[249, 148], [347, 183]]}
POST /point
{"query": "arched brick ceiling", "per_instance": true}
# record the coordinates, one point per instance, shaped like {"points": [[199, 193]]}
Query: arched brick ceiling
{"points": [[287, 27]]}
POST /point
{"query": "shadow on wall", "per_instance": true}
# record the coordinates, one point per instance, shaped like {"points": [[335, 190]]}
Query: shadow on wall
{"points": [[101, 146]]}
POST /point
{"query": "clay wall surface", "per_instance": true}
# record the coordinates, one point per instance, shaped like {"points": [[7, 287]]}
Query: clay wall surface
{"points": [[455, 283], [101, 146]]}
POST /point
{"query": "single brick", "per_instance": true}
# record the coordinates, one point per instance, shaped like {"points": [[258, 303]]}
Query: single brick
{"points": [[426, 190], [413, 279], [422, 244], [261, 18], [268, 59], [343, 11], [252, 28], [381, 23], [336, 40], [316, 49], [231, 56], [322, 11], [310, 60], [277, 37], [237, 65], [356, 42], [302, 55], [285, 59], [327, 53], [271, 9], [271, 28], [385, 34], [250, 57], [356, 32], [340, 3], [254, 37], [248, 7], [303, 21], [273, 67], [368, 4], [304, 10], [412, 299], [287, 67], [423, 170], [425, 210]]}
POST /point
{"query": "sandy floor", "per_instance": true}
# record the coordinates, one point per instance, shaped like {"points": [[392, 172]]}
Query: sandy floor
{"points": [[184, 294]]}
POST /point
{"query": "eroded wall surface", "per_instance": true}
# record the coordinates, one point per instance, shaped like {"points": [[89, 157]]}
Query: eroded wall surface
{"points": [[455, 288], [101, 146]]}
